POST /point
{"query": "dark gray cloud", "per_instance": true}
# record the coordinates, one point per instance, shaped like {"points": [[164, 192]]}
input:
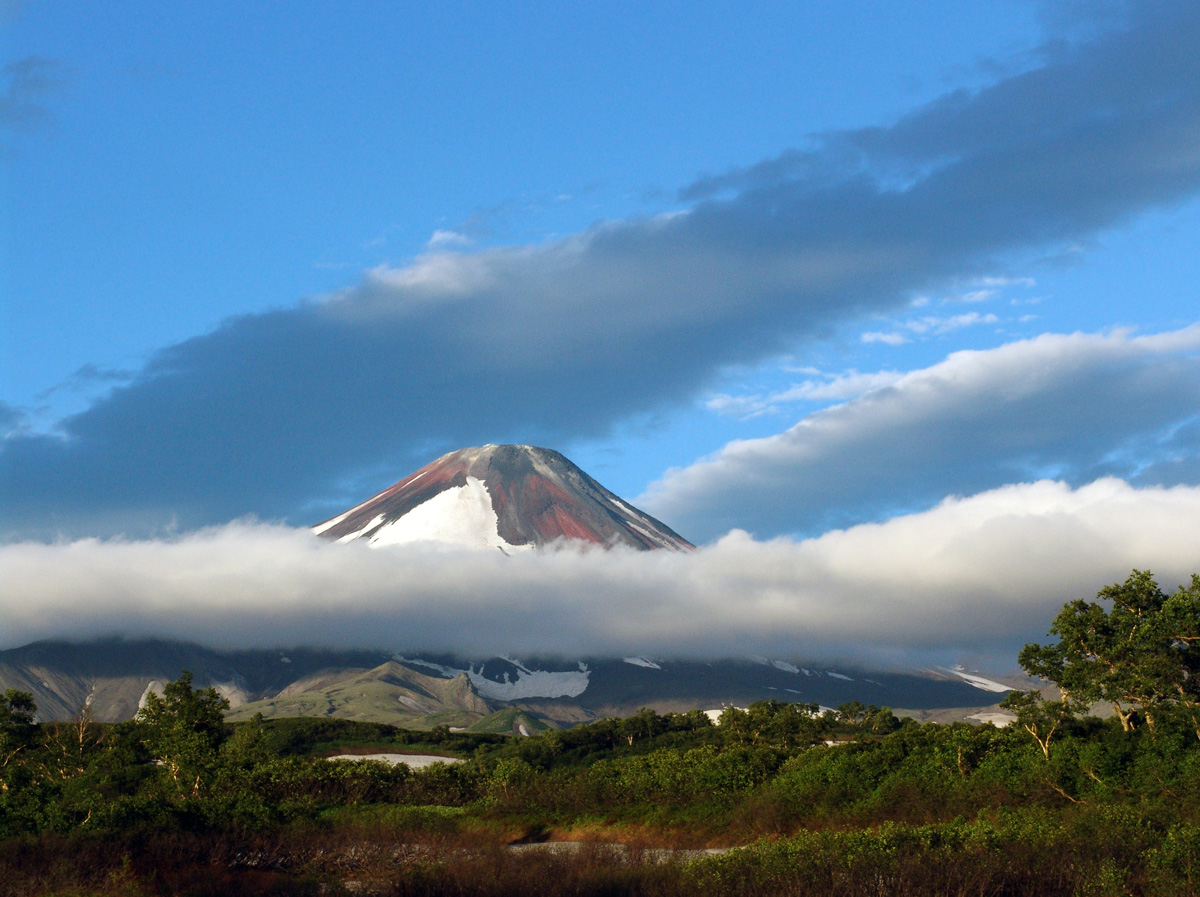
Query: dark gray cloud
{"points": [[979, 575], [560, 341], [89, 377], [1073, 407], [28, 83], [11, 419]]}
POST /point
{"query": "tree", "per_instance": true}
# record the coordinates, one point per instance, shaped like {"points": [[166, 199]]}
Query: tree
{"points": [[183, 729], [68, 747], [18, 731], [643, 724], [851, 713], [776, 723], [883, 721], [1037, 716], [1181, 619], [1139, 655]]}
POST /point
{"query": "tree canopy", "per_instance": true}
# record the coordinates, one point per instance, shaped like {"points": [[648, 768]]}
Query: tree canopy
{"points": [[183, 729], [1135, 648]]}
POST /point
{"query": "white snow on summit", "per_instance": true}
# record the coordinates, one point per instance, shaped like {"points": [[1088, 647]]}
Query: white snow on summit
{"points": [[460, 516], [333, 522]]}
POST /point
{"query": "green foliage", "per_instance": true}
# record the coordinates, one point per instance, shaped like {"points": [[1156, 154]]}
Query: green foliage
{"points": [[1039, 717], [183, 730], [1175, 863], [309, 736], [507, 722], [1027, 852], [782, 725], [18, 734], [1138, 655]]}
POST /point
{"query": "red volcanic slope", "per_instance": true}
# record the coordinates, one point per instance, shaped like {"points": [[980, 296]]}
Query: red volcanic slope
{"points": [[537, 494]]}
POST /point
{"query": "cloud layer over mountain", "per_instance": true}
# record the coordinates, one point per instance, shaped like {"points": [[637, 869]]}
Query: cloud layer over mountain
{"points": [[973, 576]]}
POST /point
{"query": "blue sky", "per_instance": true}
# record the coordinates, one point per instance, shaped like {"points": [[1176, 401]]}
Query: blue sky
{"points": [[784, 268], [186, 167]]}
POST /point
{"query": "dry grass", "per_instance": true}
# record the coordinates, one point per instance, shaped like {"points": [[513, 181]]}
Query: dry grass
{"points": [[374, 861]]}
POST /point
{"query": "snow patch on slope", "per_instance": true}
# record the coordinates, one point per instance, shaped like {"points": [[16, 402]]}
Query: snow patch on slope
{"points": [[997, 718], [979, 681], [527, 684], [448, 672], [331, 523], [350, 537], [531, 684], [642, 662], [462, 515], [154, 685]]}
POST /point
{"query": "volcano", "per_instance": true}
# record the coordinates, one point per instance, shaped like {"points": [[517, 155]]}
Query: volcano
{"points": [[500, 496]]}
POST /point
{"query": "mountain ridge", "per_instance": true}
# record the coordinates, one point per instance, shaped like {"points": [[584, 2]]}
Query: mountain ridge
{"points": [[109, 678]]}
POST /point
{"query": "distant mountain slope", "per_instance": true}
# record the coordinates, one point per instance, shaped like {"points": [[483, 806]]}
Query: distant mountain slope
{"points": [[391, 692], [111, 677], [500, 496]]}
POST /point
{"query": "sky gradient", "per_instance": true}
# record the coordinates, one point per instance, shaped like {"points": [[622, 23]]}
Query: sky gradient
{"points": [[787, 276]]}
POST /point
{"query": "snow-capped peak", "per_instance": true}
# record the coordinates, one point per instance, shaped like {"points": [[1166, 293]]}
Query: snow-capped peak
{"points": [[500, 496]]}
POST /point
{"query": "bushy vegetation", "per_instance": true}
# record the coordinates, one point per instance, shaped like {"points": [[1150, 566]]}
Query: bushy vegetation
{"points": [[852, 801]]}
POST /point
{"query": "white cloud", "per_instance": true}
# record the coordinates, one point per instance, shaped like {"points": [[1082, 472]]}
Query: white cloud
{"points": [[977, 296], [980, 573], [444, 239], [927, 325], [955, 322], [836, 387], [993, 282], [996, 282], [1077, 405], [889, 339]]}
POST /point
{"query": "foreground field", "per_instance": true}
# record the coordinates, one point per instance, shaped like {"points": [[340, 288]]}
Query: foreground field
{"points": [[920, 809]]}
